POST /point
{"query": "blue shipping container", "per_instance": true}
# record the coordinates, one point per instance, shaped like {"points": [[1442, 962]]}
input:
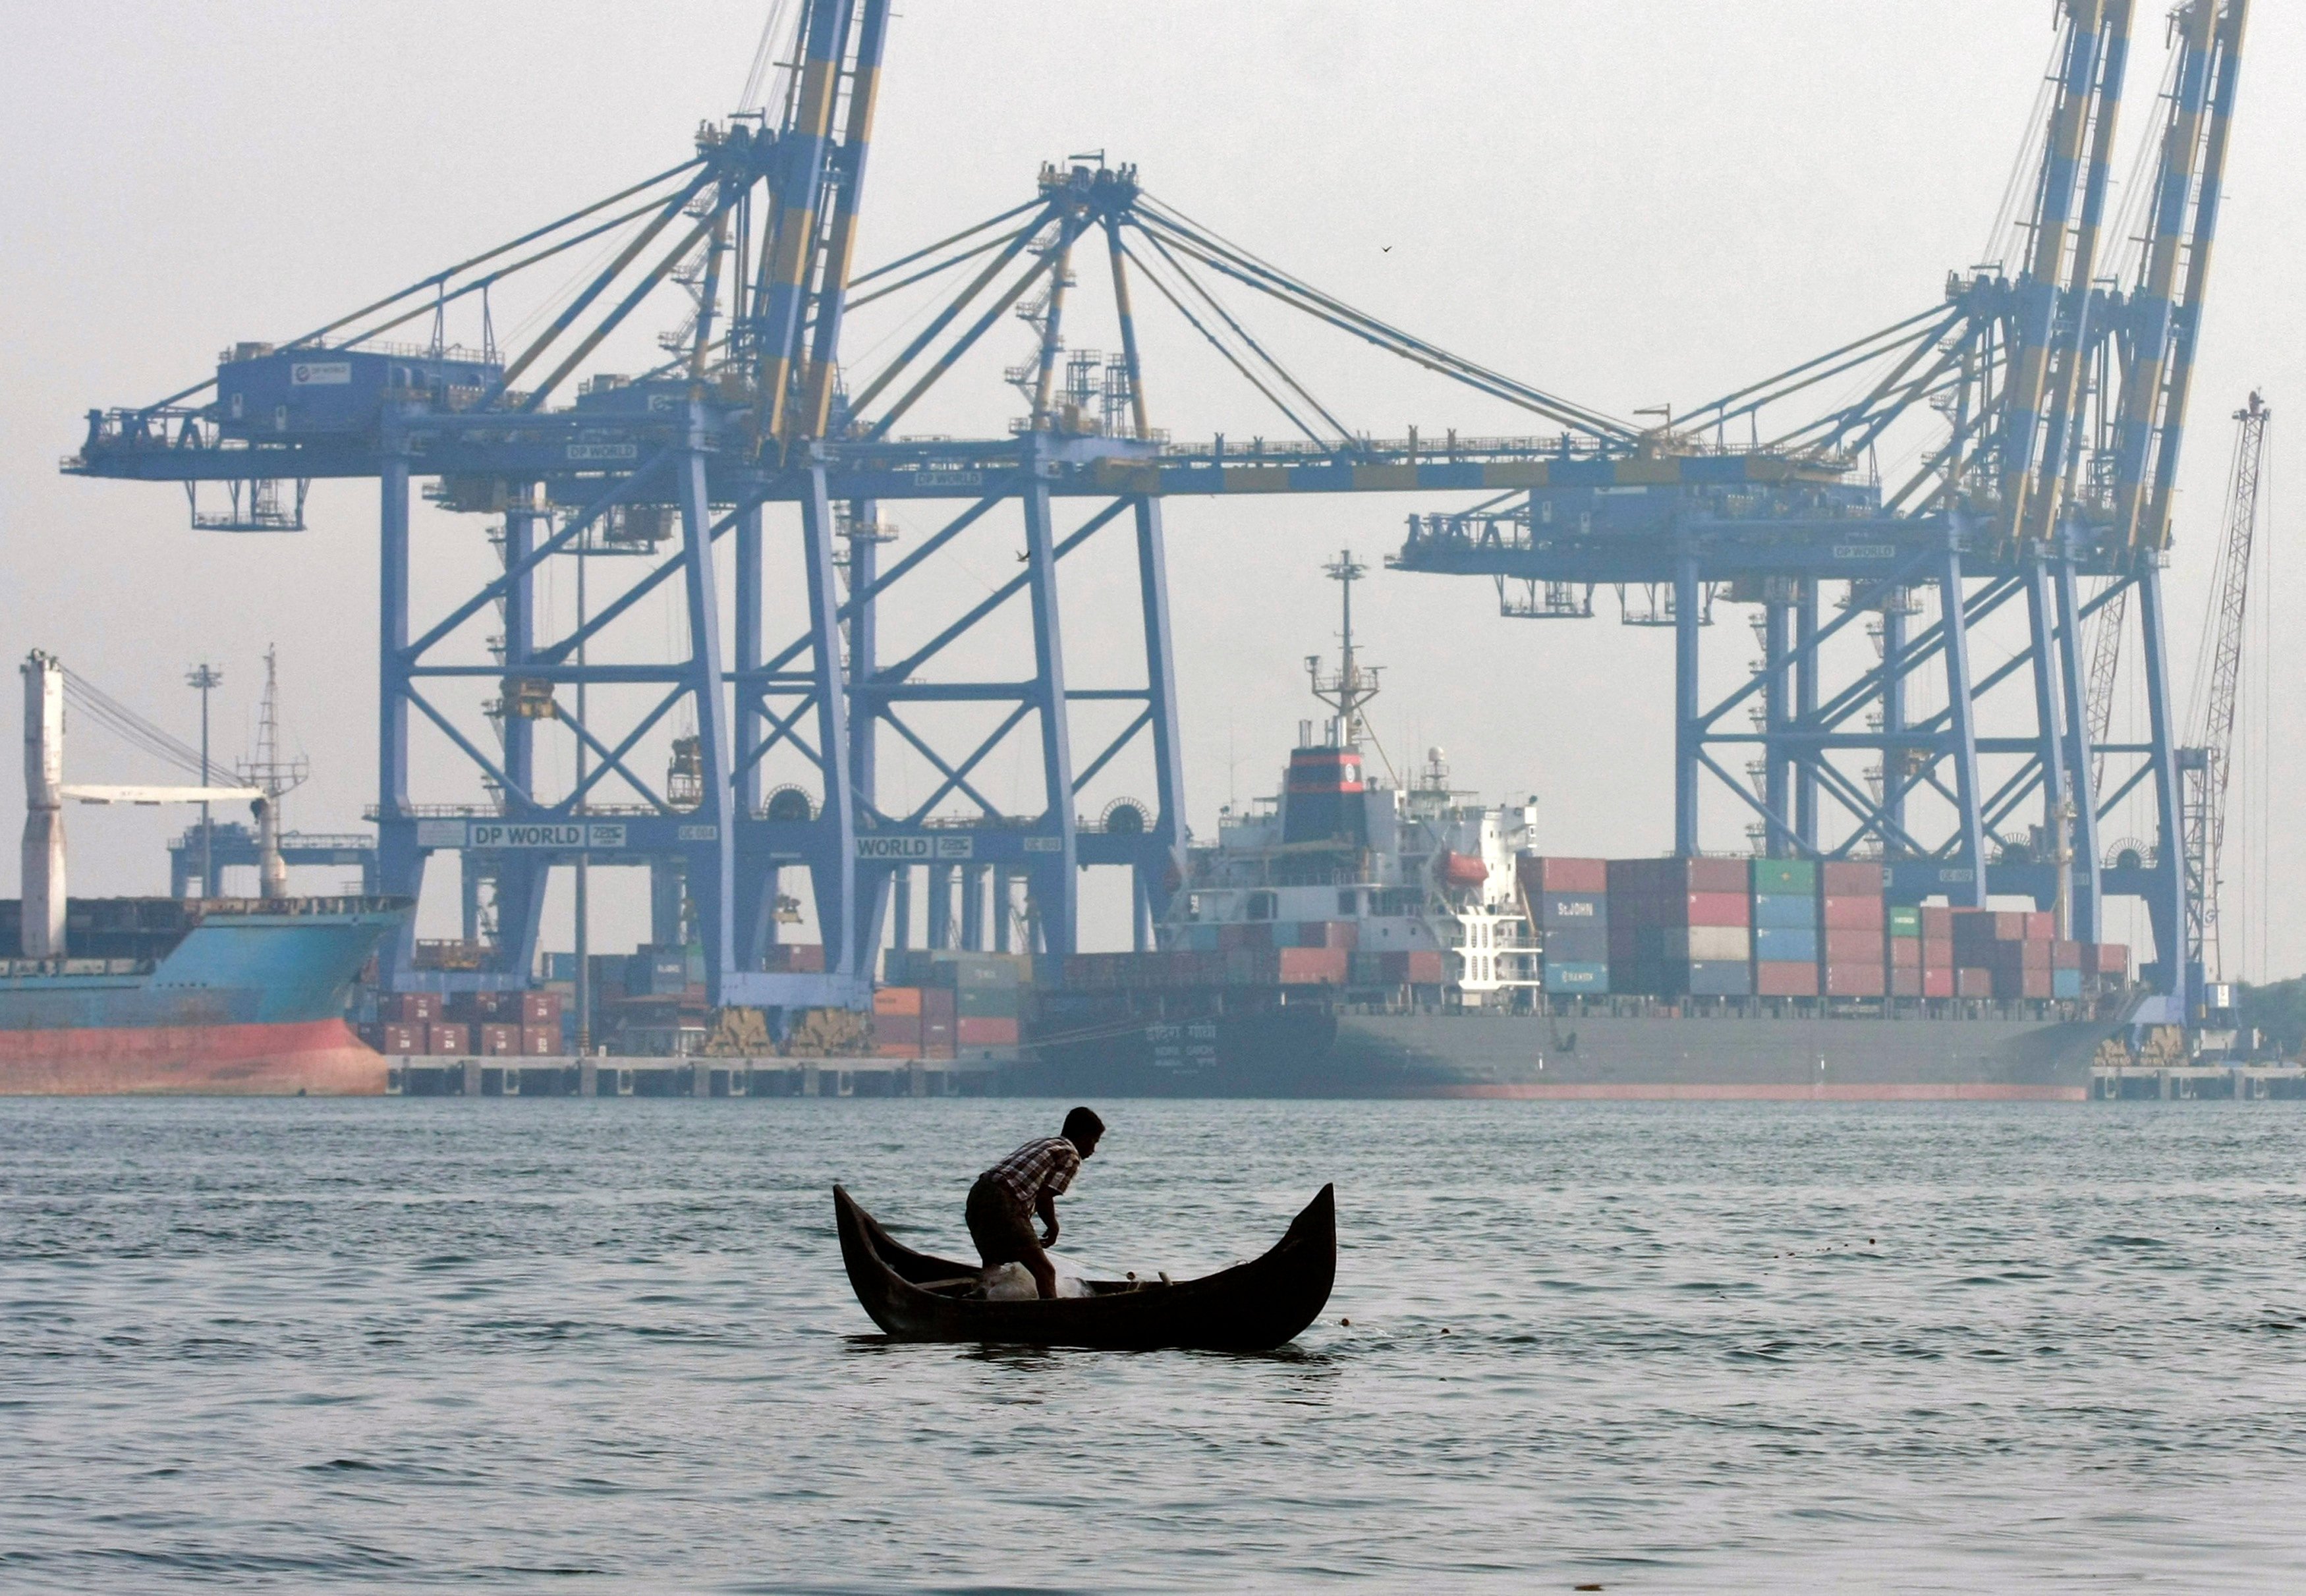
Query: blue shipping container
{"points": [[1715, 977], [1785, 912], [2065, 983], [1577, 944], [1577, 977], [1784, 944]]}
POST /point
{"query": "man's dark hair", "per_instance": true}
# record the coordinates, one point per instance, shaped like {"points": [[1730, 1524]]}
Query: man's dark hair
{"points": [[1082, 1125]]}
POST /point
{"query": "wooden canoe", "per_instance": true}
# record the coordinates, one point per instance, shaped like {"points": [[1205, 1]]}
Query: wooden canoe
{"points": [[1252, 1307]]}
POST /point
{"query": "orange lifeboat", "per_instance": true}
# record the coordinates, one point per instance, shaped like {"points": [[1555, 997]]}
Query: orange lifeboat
{"points": [[1463, 870]]}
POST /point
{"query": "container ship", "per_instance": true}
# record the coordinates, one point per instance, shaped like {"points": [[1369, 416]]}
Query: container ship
{"points": [[172, 995], [1351, 936]]}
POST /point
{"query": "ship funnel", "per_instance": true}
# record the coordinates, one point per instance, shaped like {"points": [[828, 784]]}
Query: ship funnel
{"points": [[42, 931]]}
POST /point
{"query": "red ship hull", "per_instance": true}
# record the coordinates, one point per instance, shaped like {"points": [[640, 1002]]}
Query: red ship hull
{"points": [[311, 1057]]}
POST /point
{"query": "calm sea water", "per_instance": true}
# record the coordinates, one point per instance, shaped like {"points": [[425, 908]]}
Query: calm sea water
{"points": [[571, 1345]]}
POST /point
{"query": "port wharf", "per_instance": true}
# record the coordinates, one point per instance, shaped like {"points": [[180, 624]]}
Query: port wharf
{"points": [[686, 1076]]}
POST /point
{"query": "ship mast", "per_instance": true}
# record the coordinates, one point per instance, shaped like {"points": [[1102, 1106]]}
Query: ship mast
{"points": [[1352, 685], [275, 776]]}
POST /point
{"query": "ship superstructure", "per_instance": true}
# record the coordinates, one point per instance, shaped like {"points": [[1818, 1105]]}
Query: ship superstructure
{"points": [[1415, 882]]}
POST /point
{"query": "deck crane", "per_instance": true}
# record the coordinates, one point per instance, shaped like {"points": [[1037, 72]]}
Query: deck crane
{"points": [[2209, 763]]}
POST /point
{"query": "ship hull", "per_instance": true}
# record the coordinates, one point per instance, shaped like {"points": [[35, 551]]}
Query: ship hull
{"points": [[1315, 1053], [315, 1057], [244, 999]]}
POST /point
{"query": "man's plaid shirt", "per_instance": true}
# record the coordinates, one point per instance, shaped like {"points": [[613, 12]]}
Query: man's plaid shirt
{"points": [[1048, 1165]]}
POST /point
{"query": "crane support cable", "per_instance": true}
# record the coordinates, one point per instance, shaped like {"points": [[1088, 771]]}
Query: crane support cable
{"points": [[1238, 263], [1198, 288], [902, 261], [944, 318], [1219, 344], [927, 272], [439, 277], [491, 279], [130, 727], [1877, 343]]}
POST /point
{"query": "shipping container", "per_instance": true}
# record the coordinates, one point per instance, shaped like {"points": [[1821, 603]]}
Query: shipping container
{"points": [[1578, 944], [1974, 926], [2020, 982], [938, 1006], [500, 1039], [1311, 967], [1707, 945], [2065, 983], [1673, 876], [1971, 982], [1906, 952], [399, 1036], [1856, 980], [1850, 878], [1906, 981], [1850, 914], [1785, 912], [898, 1001], [410, 1008], [1706, 977], [1905, 922], [2041, 926], [2066, 955], [1537, 874], [1329, 933], [540, 1008], [1782, 945], [444, 1037], [2106, 959], [1851, 947], [1573, 909], [797, 958], [1937, 955], [540, 1041], [1798, 876], [1714, 908], [1937, 980], [1577, 977], [1937, 923], [973, 1032], [1239, 936], [994, 1002], [1785, 977]]}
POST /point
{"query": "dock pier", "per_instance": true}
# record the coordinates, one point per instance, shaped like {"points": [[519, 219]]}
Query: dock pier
{"points": [[687, 1077], [2204, 1083]]}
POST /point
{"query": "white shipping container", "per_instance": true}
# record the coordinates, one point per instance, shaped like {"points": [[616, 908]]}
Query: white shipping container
{"points": [[1707, 944]]}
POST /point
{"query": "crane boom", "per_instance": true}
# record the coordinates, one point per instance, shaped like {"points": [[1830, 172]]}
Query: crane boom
{"points": [[2217, 687]]}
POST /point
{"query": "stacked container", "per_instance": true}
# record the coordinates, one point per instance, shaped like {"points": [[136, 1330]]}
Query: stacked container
{"points": [[1787, 943], [1852, 925], [1568, 900], [1903, 950], [1937, 952], [1681, 927], [2013, 956]]}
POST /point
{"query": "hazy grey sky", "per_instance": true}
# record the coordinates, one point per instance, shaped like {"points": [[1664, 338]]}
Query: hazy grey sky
{"points": [[1628, 203]]}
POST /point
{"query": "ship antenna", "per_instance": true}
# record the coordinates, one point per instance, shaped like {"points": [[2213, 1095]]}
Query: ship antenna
{"points": [[1353, 685]]}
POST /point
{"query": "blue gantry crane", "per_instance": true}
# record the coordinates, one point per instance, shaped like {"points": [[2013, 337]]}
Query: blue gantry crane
{"points": [[2060, 390], [2064, 397]]}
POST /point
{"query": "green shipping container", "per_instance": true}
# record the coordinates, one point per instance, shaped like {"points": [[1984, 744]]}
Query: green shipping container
{"points": [[1905, 922], [987, 1002], [1785, 876]]}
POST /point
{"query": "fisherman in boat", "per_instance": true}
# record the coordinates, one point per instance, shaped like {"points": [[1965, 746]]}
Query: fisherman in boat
{"points": [[1004, 1199]]}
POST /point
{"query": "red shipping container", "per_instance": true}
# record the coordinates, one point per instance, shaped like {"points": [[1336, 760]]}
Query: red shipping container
{"points": [[896, 1049], [1937, 923], [1329, 933], [1777, 978], [1906, 953], [2065, 955], [540, 1008], [540, 1041], [1847, 878], [1852, 947], [410, 1008], [400, 1037], [940, 1004], [1538, 874], [1907, 983], [1972, 926], [499, 1040], [906, 1000], [1973, 982], [899, 1031], [797, 958], [1854, 980], [1851, 913], [1714, 909], [442, 1037], [1937, 955], [986, 1031], [2106, 959], [1937, 980], [2041, 927], [2020, 983], [1312, 967], [1671, 878]]}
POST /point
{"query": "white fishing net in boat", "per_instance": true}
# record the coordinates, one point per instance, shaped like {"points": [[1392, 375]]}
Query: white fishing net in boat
{"points": [[1014, 1283]]}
